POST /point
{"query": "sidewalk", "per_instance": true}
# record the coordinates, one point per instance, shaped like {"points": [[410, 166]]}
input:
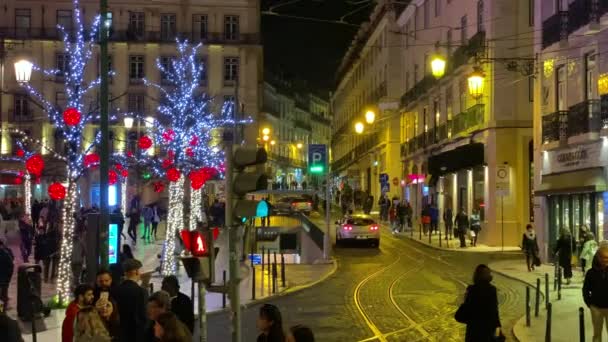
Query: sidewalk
{"points": [[453, 244], [565, 321]]}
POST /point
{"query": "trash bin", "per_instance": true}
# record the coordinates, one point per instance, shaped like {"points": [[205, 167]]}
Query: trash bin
{"points": [[29, 302]]}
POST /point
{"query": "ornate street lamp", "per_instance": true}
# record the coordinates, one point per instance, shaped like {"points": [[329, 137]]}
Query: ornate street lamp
{"points": [[266, 131], [128, 121], [370, 116], [272, 142], [476, 83], [438, 66], [299, 146], [23, 71], [265, 138], [359, 127]]}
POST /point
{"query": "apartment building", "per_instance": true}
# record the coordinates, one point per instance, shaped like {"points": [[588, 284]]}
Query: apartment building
{"points": [[571, 119], [291, 120], [466, 130], [365, 126], [141, 32]]}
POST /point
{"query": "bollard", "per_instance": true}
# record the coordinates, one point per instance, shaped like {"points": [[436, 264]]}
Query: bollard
{"points": [[527, 306], [420, 231], [282, 269], [268, 260], [274, 278], [555, 277], [430, 233], [252, 280], [224, 292], [192, 284], [274, 257], [537, 301], [559, 284], [581, 324], [439, 235], [548, 324], [546, 290], [263, 253]]}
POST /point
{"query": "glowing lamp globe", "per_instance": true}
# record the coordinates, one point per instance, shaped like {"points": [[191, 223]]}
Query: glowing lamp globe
{"points": [[56, 191], [173, 174], [71, 116], [438, 66], [359, 127], [144, 142], [476, 84], [370, 116], [23, 71]]}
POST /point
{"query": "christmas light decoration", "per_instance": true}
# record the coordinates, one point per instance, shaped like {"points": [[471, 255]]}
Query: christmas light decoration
{"points": [[20, 153], [71, 116], [112, 177], [196, 207], [18, 180], [173, 175], [189, 152], [168, 135], [159, 187], [27, 188], [56, 191], [123, 195], [167, 163], [175, 221], [124, 173], [91, 159], [144, 142], [118, 166], [35, 165]]}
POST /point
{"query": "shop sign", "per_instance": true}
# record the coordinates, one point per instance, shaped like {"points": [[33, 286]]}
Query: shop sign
{"points": [[579, 157]]}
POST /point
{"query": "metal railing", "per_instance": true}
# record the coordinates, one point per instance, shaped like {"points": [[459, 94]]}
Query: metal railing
{"points": [[554, 126], [584, 117]]}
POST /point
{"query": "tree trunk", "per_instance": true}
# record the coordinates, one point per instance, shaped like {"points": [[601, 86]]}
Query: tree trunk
{"points": [[64, 281], [175, 223]]}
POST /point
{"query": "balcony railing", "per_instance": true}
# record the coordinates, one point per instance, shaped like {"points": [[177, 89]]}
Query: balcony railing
{"points": [[465, 120], [302, 125], [555, 126], [555, 28], [584, 117]]}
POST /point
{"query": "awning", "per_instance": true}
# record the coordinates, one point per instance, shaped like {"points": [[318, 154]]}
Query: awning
{"points": [[460, 158], [588, 180]]}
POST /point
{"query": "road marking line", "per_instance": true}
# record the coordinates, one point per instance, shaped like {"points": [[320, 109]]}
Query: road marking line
{"points": [[377, 333]]}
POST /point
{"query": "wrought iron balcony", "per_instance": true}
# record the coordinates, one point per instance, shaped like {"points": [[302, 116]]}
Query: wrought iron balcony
{"points": [[465, 120], [555, 126], [555, 28], [584, 117]]}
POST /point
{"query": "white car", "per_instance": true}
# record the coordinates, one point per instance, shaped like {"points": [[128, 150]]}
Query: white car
{"points": [[358, 227]]}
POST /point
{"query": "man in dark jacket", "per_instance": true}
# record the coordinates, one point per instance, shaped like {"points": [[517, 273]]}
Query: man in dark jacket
{"points": [[9, 328], [181, 305], [6, 270], [462, 224], [448, 220], [595, 294], [131, 300]]}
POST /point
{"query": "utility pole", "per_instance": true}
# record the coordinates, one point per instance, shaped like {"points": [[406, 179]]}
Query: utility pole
{"points": [[233, 268], [104, 153]]}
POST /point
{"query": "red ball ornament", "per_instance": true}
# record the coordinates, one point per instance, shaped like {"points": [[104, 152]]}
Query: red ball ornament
{"points": [[20, 153], [197, 179], [170, 154], [35, 165], [71, 116], [194, 141], [144, 142], [21, 173], [168, 135], [91, 159], [118, 167], [18, 181], [130, 154], [112, 177], [124, 173], [159, 187], [167, 163], [189, 152], [56, 191], [173, 174]]}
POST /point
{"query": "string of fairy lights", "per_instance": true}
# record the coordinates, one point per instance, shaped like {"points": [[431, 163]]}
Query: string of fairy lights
{"points": [[175, 218], [196, 203]]}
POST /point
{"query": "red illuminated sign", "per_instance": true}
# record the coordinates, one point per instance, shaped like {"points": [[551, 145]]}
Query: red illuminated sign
{"points": [[194, 242]]}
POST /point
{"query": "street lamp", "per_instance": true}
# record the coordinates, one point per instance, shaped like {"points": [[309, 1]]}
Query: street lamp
{"points": [[128, 122], [438, 66], [23, 71], [149, 122], [359, 127], [265, 138], [370, 116], [266, 131], [272, 142], [476, 83], [299, 145]]}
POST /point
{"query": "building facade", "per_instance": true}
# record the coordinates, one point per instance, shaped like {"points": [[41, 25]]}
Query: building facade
{"points": [[571, 119], [467, 142], [289, 122], [369, 84], [141, 33]]}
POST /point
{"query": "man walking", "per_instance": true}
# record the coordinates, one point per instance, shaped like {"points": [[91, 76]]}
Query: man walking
{"points": [[448, 221], [595, 294], [462, 224], [181, 305], [131, 300]]}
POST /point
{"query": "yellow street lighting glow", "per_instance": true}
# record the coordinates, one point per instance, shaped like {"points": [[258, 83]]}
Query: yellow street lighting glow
{"points": [[438, 66], [266, 131], [370, 116], [476, 84], [299, 145], [273, 142], [265, 138], [359, 127]]}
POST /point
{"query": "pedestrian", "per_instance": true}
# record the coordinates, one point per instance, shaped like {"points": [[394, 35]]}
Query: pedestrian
{"points": [[7, 264], [529, 245], [595, 294], [134, 219], [168, 328], [588, 252], [480, 309], [158, 303], [181, 305], [425, 217], [392, 215], [120, 220], [270, 324], [401, 215], [448, 221], [434, 213], [26, 232], [78, 255], [462, 225], [300, 333], [565, 246], [103, 283], [155, 220], [83, 297], [89, 327], [384, 203], [126, 254], [131, 300], [9, 327], [369, 204], [41, 249], [52, 259], [148, 215], [108, 312], [475, 227]]}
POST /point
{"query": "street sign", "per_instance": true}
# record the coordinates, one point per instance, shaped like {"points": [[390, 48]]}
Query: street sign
{"points": [[317, 158], [384, 178], [502, 180]]}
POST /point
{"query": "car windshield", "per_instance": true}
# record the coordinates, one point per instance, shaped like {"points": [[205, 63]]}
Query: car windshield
{"points": [[285, 200], [360, 221], [299, 200]]}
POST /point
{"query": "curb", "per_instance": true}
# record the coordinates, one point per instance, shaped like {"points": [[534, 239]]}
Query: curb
{"points": [[407, 236], [284, 292]]}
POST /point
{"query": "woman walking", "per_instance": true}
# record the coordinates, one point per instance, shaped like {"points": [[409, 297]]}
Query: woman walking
{"points": [[270, 324], [565, 246], [475, 227], [588, 252], [480, 309], [529, 245]]}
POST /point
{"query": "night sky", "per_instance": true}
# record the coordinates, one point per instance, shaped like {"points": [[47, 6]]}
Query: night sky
{"points": [[306, 49]]}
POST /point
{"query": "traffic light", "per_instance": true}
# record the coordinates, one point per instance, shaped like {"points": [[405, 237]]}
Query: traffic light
{"points": [[200, 257], [247, 182]]}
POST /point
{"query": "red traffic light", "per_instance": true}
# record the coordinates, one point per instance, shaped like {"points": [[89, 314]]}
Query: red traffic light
{"points": [[195, 242]]}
